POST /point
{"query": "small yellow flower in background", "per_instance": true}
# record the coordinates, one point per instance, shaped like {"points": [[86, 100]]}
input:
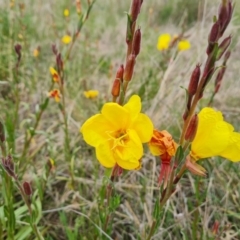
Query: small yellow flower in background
{"points": [[118, 132], [20, 36], [54, 74], [55, 93], [35, 52], [66, 39], [91, 94], [183, 45], [163, 42], [66, 12], [215, 137]]}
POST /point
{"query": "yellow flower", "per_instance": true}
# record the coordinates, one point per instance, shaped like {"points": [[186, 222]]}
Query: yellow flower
{"points": [[215, 137], [183, 45], [55, 93], [36, 52], [91, 94], [118, 132], [66, 12], [66, 39], [54, 74], [163, 42]]}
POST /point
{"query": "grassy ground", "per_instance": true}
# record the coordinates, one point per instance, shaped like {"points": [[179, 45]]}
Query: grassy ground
{"points": [[63, 210]]}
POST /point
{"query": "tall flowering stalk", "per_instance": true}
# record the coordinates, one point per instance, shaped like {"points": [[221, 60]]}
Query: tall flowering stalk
{"points": [[133, 40], [207, 133], [214, 51]]}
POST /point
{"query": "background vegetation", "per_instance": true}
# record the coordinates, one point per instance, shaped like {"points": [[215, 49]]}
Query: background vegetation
{"points": [[65, 209]]}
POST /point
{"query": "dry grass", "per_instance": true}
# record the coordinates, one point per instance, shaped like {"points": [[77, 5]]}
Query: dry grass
{"points": [[75, 213]]}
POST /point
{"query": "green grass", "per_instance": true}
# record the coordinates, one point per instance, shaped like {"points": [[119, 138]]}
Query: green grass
{"points": [[62, 209]]}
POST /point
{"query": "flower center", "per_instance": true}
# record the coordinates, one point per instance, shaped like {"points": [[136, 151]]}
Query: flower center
{"points": [[118, 138]]}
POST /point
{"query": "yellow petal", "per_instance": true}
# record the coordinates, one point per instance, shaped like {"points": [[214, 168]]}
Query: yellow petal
{"points": [[155, 150], [66, 12], [163, 41], [91, 94], [95, 130], [212, 136], [184, 45], [132, 150], [144, 127], [116, 115], [66, 39], [105, 155], [129, 165], [133, 106], [232, 151]]}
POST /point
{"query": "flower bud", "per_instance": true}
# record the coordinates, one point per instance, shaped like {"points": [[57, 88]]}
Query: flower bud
{"points": [[214, 33], [18, 49], [223, 12], [195, 168], [193, 84], [54, 49], [116, 87], [136, 42], [2, 133], [8, 165], [59, 62], [135, 9], [225, 15], [227, 55], [27, 188], [223, 47], [192, 129], [120, 71], [128, 72]]}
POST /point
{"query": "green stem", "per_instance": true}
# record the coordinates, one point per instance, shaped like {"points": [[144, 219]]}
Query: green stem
{"points": [[152, 230], [29, 139], [28, 204]]}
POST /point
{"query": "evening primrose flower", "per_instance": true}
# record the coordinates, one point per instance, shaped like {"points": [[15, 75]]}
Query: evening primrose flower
{"points": [[183, 45], [66, 39], [163, 145], [66, 12], [215, 137], [36, 53], [54, 74], [118, 132], [91, 94], [55, 93], [163, 42]]}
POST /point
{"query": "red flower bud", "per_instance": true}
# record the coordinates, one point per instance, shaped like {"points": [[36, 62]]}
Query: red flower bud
{"points": [[135, 9], [192, 129], [116, 87], [193, 84], [27, 188], [227, 55], [120, 71], [137, 42], [54, 49], [225, 15], [214, 33], [223, 47], [128, 72], [2, 133]]}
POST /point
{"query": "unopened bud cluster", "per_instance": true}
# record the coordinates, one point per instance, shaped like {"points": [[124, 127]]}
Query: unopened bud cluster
{"points": [[133, 39], [215, 51]]}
